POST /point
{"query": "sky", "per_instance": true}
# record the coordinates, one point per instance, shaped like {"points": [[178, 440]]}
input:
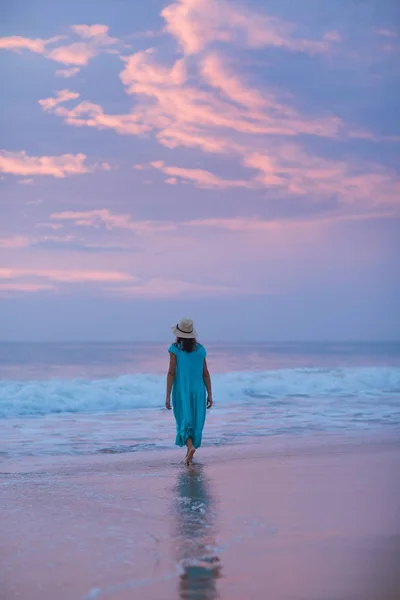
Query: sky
{"points": [[236, 163]]}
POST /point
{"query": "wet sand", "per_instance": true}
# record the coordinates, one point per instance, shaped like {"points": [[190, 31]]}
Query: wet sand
{"points": [[315, 520]]}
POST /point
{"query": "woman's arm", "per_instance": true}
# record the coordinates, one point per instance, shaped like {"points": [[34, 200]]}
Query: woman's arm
{"points": [[207, 383], [170, 379]]}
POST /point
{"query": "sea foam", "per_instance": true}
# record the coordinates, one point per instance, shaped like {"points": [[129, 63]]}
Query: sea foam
{"points": [[44, 397]]}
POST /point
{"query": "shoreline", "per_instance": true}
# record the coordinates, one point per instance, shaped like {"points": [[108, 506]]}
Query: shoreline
{"points": [[291, 522], [264, 446]]}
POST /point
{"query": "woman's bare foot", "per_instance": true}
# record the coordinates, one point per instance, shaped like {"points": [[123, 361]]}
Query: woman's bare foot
{"points": [[189, 455], [190, 451]]}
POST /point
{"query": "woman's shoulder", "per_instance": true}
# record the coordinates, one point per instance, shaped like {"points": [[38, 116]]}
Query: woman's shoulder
{"points": [[200, 348], [174, 348]]}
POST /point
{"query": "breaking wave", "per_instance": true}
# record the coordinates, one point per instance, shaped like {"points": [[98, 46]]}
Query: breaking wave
{"points": [[35, 398]]}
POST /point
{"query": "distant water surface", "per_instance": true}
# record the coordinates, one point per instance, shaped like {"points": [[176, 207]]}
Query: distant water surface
{"points": [[106, 397]]}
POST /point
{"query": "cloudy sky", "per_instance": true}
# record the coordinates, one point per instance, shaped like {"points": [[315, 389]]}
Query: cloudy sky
{"points": [[237, 163]]}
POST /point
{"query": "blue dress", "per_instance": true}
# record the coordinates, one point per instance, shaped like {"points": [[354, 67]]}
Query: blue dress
{"points": [[189, 394]]}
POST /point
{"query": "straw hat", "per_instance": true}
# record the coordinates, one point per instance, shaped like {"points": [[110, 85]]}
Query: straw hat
{"points": [[184, 329]]}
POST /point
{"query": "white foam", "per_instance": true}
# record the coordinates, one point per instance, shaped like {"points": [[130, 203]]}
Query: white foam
{"points": [[23, 398]]}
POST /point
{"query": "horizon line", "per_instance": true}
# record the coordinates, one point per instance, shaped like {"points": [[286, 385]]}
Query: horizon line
{"points": [[288, 341]]}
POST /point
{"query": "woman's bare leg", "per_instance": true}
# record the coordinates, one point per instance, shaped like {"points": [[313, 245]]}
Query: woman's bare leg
{"points": [[190, 451]]}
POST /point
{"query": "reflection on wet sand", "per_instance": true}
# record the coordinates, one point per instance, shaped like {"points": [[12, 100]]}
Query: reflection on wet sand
{"points": [[195, 541]]}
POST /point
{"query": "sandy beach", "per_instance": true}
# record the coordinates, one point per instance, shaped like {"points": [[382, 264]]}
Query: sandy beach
{"points": [[309, 520]]}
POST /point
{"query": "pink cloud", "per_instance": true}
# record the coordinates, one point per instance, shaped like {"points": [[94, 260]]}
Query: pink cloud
{"points": [[175, 104], [291, 170], [26, 287], [181, 114], [89, 114], [254, 225], [19, 163], [67, 73], [53, 226], [61, 97], [157, 164], [187, 115], [198, 23], [216, 74], [240, 225], [67, 276], [140, 70], [16, 43], [97, 33], [79, 53], [16, 241], [201, 178], [204, 102], [95, 218], [178, 105], [89, 31], [189, 136], [73, 54]]}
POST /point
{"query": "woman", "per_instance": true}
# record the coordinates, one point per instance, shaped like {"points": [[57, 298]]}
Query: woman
{"points": [[188, 379]]}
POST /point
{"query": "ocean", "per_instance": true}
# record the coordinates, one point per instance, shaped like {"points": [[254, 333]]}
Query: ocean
{"points": [[89, 398]]}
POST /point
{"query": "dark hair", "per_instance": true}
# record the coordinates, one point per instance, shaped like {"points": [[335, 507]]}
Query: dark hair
{"points": [[187, 344]]}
